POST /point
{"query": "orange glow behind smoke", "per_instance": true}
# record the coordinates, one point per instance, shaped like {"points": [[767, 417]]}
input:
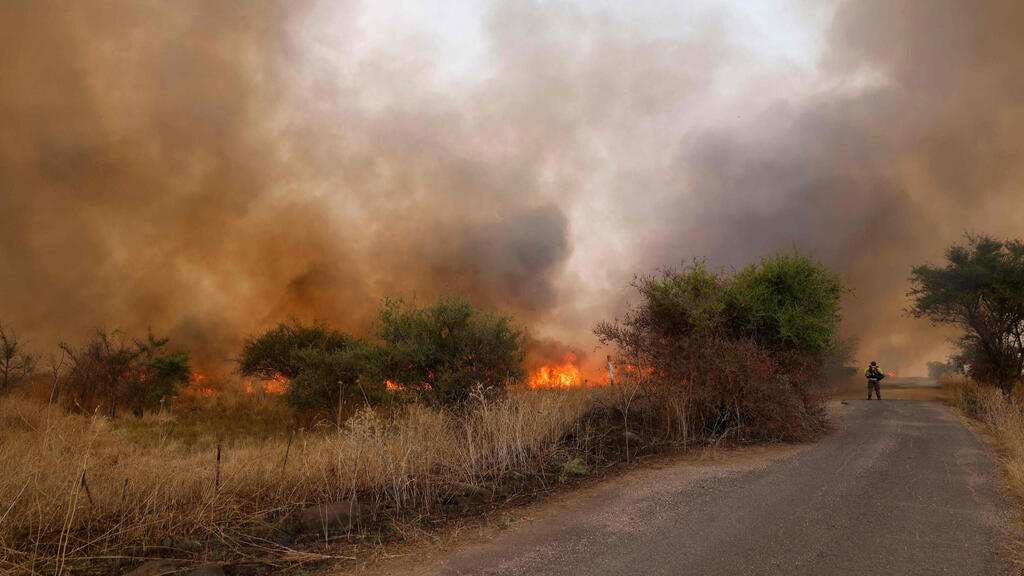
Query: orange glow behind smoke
{"points": [[278, 384], [393, 385], [564, 375], [198, 387]]}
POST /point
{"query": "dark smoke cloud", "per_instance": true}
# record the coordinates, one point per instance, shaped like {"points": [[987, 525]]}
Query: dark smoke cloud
{"points": [[195, 167], [917, 140]]}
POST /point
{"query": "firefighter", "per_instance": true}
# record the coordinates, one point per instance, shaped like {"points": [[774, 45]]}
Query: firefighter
{"points": [[874, 375]]}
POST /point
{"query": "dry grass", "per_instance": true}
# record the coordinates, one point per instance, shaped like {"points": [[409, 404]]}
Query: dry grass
{"points": [[150, 485], [1004, 418]]}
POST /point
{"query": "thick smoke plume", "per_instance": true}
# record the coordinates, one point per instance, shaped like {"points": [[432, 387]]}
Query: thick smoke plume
{"points": [[208, 168], [162, 165], [919, 139]]}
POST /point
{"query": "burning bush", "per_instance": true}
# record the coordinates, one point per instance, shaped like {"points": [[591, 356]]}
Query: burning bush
{"points": [[444, 350], [111, 370], [320, 368], [712, 352], [441, 352]]}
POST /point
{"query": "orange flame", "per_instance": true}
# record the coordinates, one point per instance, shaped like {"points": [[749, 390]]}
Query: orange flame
{"points": [[278, 384], [564, 375], [198, 387]]}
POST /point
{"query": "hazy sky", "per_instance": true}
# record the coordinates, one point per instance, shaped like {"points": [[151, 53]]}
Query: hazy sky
{"points": [[209, 168]]}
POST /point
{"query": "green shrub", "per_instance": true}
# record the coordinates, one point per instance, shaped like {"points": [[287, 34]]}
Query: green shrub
{"points": [[687, 302], [325, 369], [276, 352], [444, 350], [786, 302], [745, 353], [328, 379], [165, 373]]}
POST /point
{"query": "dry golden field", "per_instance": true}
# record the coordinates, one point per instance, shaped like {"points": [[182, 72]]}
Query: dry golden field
{"points": [[81, 492]]}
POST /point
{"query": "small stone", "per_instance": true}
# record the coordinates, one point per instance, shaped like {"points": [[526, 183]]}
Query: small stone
{"points": [[343, 515], [471, 493], [157, 568], [208, 569]]}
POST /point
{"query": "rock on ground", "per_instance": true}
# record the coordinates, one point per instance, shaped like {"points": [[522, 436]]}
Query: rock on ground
{"points": [[158, 568], [343, 515]]}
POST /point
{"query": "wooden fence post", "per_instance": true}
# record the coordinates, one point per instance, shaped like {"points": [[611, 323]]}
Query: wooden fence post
{"points": [[86, 486], [291, 435], [216, 484]]}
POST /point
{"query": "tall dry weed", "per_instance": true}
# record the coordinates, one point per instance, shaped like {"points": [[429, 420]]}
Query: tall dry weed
{"points": [[160, 496]]}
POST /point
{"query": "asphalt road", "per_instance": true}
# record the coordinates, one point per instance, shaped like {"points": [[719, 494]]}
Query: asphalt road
{"points": [[901, 488]]}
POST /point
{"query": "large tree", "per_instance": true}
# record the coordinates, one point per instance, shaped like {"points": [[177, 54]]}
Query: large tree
{"points": [[980, 289]]}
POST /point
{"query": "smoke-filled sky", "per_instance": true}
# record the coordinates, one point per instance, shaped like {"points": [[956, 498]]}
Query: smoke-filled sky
{"points": [[208, 168]]}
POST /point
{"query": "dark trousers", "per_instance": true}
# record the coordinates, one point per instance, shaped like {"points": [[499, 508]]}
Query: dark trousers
{"points": [[873, 385]]}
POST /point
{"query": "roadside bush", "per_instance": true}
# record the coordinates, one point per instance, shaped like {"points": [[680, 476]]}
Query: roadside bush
{"points": [[786, 303], [711, 353], [445, 350]]}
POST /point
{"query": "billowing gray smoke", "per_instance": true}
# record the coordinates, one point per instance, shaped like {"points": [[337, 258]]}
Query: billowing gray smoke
{"points": [[162, 165], [919, 140], [197, 168]]}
